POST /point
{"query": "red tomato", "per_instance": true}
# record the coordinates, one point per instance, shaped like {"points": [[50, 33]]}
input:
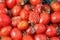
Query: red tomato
{"points": [[55, 6], [40, 37], [34, 17], [39, 28], [24, 14], [10, 3], [4, 20], [6, 38], [16, 34], [15, 20], [44, 18], [51, 31], [16, 10], [5, 31], [55, 17], [3, 10], [34, 2], [19, 2], [22, 25], [54, 38], [2, 5], [27, 37]]}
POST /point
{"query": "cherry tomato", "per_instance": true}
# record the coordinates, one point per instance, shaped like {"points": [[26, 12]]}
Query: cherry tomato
{"points": [[19, 2], [55, 17], [27, 37], [22, 25], [54, 38], [39, 28], [16, 34], [2, 4], [34, 2], [34, 17], [55, 6], [10, 3], [3, 10], [16, 10], [44, 18], [6, 38], [24, 14], [4, 20], [51, 31], [15, 20], [40, 37]]}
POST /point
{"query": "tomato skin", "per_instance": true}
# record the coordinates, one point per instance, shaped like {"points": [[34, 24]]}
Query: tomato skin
{"points": [[51, 31], [34, 2], [3, 10], [24, 14], [22, 25], [54, 38], [15, 20], [39, 28], [55, 6], [5, 31], [6, 38], [10, 3], [19, 2], [16, 34], [16, 10], [2, 4], [34, 17], [27, 37], [4, 20], [44, 18], [40, 37], [55, 17]]}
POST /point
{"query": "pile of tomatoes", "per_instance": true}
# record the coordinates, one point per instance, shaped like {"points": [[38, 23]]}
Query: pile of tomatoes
{"points": [[29, 20]]}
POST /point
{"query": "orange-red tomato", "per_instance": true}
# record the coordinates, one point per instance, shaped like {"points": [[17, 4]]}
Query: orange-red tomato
{"points": [[6, 38]]}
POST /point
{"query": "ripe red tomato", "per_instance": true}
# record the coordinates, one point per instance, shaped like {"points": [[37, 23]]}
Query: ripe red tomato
{"points": [[15, 20], [34, 2], [16, 34], [16, 10], [54, 38], [19, 2], [3, 10], [34, 17], [40, 37], [27, 37], [39, 28], [55, 6], [4, 20], [51, 31], [10, 3], [44, 18], [2, 4], [5, 31], [55, 17], [6, 38], [24, 14], [22, 25]]}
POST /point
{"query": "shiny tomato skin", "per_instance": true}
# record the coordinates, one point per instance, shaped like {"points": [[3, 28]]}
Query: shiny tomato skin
{"points": [[40, 37], [3, 10], [44, 18], [51, 31], [16, 10], [2, 4], [16, 34], [55, 17], [27, 37], [19, 2], [15, 20], [34, 17], [22, 25], [4, 20], [55, 6], [24, 14], [34, 2], [54, 38], [5, 31], [10, 3], [6, 38], [39, 28]]}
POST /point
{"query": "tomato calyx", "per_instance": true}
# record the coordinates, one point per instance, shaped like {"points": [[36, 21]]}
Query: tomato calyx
{"points": [[0, 37]]}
